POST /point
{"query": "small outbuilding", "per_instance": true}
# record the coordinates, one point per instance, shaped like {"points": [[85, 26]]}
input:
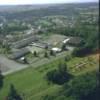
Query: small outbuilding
{"points": [[55, 49]]}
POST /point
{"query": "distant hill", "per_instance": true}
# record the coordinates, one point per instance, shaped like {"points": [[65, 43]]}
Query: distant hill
{"points": [[30, 11], [19, 8]]}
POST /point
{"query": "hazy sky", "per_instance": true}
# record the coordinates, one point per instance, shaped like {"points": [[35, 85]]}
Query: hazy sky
{"points": [[41, 1]]}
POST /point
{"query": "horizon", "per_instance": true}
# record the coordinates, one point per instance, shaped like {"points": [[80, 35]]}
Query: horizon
{"points": [[43, 2]]}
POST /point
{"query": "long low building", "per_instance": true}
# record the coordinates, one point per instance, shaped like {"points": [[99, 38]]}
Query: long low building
{"points": [[75, 41], [41, 45], [24, 42], [19, 54]]}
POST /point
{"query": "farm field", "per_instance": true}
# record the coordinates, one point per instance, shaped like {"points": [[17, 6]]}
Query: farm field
{"points": [[32, 84]]}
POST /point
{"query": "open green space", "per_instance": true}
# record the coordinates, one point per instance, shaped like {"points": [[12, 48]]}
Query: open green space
{"points": [[32, 84]]}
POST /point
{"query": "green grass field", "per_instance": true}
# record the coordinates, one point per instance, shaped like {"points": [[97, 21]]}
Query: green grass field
{"points": [[31, 82]]}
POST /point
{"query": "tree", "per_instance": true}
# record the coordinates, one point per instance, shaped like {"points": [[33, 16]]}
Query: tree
{"points": [[47, 97], [64, 47], [1, 79], [82, 51], [46, 47], [25, 61], [84, 87], [52, 53], [60, 75], [46, 55], [13, 94], [35, 54], [62, 67]]}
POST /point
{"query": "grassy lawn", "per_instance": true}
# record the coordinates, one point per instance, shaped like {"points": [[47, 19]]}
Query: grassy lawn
{"points": [[31, 82]]}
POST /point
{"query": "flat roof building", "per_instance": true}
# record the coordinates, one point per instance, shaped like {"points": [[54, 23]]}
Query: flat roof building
{"points": [[19, 54], [24, 42], [75, 41], [55, 49]]}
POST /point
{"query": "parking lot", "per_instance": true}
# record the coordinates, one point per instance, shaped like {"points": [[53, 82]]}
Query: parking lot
{"points": [[9, 66]]}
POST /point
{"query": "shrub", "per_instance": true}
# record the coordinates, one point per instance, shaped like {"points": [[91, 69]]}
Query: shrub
{"points": [[60, 75], [13, 94]]}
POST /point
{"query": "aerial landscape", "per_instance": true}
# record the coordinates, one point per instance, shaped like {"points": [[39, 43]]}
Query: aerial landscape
{"points": [[49, 51]]}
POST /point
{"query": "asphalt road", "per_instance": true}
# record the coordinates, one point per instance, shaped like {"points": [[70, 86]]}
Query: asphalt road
{"points": [[8, 66]]}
